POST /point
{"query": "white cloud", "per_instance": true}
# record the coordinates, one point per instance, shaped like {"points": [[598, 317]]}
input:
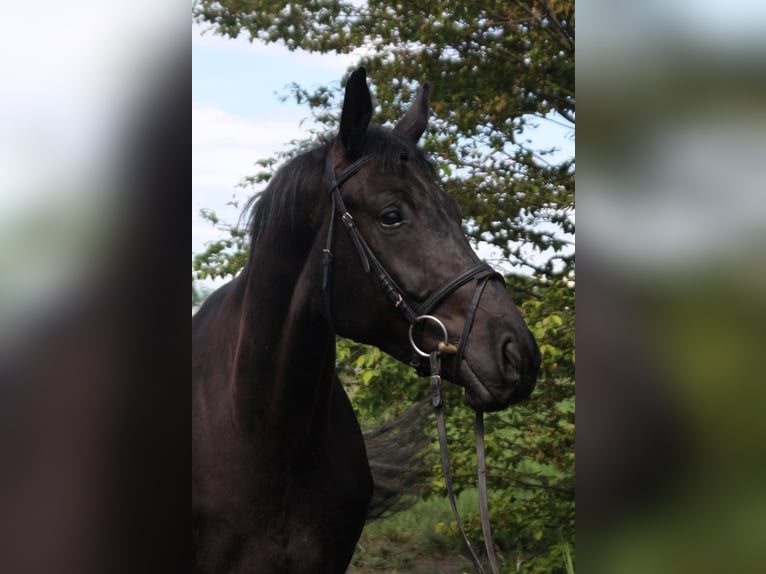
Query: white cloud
{"points": [[225, 148]]}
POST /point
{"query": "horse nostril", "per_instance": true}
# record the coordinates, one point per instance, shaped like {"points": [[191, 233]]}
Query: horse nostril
{"points": [[510, 355], [521, 364], [519, 358], [510, 346]]}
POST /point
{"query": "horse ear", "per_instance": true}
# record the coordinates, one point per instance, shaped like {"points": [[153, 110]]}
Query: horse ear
{"points": [[414, 122], [356, 114]]}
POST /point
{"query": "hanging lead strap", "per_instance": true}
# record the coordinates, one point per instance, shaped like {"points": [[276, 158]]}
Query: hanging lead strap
{"points": [[438, 405], [483, 501]]}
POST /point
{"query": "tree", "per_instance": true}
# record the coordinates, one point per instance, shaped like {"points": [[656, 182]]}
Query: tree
{"points": [[498, 69]]}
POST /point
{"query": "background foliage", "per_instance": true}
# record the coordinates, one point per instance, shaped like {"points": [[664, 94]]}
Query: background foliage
{"points": [[498, 70]]}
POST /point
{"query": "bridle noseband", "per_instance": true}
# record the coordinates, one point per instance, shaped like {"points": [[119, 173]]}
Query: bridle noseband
{"points": [[417, 313]]}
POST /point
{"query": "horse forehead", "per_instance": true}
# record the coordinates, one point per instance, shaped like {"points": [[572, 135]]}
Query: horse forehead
{"points": [[413, 181]]}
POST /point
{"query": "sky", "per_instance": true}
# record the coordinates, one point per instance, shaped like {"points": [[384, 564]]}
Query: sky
{"points": [[238, 118]]}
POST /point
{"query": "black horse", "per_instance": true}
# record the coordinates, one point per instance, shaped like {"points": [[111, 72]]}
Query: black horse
{"points": [[280, 476]]}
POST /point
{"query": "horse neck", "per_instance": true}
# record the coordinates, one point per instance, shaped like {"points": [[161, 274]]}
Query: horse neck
{"points": [[284, 361]]}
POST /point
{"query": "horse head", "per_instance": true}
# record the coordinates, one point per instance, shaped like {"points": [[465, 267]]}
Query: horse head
{"points": [[404, 244]]}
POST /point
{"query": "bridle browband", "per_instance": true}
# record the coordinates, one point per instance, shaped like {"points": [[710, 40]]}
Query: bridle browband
{"points": [[415, 313]]}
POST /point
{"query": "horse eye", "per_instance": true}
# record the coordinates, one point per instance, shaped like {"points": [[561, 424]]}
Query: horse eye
{"points": [[391, 218]]}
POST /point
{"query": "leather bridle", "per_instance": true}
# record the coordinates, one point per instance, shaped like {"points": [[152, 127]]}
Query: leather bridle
{"points": [[411, 310], [416, 313]]}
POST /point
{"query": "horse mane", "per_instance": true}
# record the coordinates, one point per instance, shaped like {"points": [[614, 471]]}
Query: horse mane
{"points": [[276, 203], [397, 450]]}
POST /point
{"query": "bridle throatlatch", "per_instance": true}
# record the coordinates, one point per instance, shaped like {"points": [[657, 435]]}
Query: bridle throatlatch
{"points": [[416, 314]]}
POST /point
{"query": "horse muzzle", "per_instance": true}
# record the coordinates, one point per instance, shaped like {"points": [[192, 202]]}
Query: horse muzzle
{"points": [[509, 378]]}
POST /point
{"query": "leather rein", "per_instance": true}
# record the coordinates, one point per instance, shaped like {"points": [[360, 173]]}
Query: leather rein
{"points": [[415, 314]]}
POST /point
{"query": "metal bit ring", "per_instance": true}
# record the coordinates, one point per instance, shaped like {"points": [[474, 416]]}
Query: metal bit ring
{"points": [[423, 318]]}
